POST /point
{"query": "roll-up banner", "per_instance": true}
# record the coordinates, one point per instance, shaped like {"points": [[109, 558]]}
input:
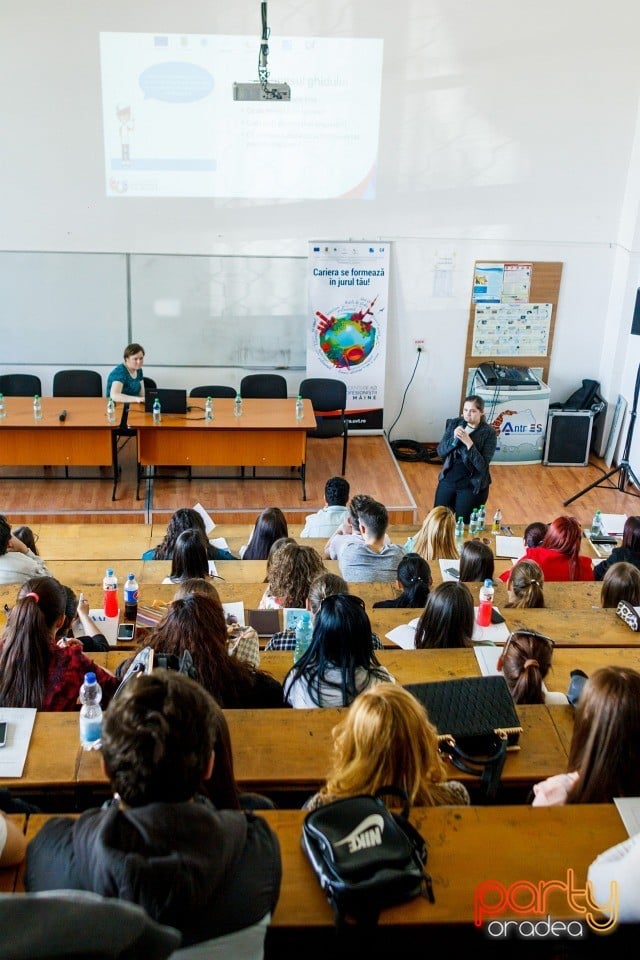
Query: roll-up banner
{"points": [[347, 323]]}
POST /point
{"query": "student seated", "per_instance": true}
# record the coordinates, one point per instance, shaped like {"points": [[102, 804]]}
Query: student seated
{"points": [[161, 843], [448, 617], [340, 661], [558, 556], [621, 582], [290, 571], [349, 531], [28, 537], [436, 538], [181, 520], [525, 585], [17, 562], [628, 551], [189, 560], [534, 533], [326, 521], [77, 609], [386, 738], [525, 662], [242, 642], [36, 669], [604, 756], [196, 624], [374, 559], [12, 842], [476, 562], [414, 582], [270, 526]]}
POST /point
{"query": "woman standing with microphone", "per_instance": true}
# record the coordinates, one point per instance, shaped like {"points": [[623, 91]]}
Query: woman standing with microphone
{"points": [[467, 447]]}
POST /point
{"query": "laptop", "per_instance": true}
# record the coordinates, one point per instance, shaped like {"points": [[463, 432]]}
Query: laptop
{"points": [[171, 401]]}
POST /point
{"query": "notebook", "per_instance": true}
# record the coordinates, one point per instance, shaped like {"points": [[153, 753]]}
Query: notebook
{"points": [[171, 401]]}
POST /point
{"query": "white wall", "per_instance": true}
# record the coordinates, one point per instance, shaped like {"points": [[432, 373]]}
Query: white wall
{"points": [[506, 131]]}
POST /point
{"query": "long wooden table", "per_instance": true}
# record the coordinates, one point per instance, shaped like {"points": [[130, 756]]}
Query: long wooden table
{"points": [[467, 846], [266, 435], [83, 438]]}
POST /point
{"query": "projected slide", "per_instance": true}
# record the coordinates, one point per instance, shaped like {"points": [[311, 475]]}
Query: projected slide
{"points": [[173, 129]]}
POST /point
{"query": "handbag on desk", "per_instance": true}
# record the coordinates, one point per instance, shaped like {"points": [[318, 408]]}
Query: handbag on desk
{"points": [[476, 722]]}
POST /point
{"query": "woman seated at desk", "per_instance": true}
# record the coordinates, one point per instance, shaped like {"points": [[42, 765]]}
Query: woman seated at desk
{"points": [[184, 519], [125, 383], [558, 556], [35, 669]]}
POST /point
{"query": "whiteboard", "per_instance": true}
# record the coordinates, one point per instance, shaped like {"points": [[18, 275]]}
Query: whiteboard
{"points": [[220, 311], [63, 308]]}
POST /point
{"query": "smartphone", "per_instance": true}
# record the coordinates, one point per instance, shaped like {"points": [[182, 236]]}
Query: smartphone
{"points": [[126, 631], [3, 732], [453, 572], [496, 617]]}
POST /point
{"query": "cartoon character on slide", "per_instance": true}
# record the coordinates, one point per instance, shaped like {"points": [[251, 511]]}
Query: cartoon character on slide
{"points": [[125, 119]]}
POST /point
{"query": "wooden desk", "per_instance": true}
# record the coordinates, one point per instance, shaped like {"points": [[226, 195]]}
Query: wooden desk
{"points": [[108, 543], [266, 435], [467, 846], [290, 750], [84, 438], [53, 755]]}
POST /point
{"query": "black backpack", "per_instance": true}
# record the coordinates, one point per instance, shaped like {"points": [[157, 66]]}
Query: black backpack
{"points": [[366, 857]]}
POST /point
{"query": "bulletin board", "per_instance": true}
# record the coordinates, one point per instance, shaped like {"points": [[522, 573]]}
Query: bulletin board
{"points": [[512, 315]]}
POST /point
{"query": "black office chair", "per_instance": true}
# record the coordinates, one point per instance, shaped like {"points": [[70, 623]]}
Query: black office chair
{"points": [[213, 390], [329, 400], [149, 383], [20, 385], [263, 385], [77, 383]]}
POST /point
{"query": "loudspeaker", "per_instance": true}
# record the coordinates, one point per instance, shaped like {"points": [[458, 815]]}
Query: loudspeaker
{"points": [[568, 438], [635, 324]]}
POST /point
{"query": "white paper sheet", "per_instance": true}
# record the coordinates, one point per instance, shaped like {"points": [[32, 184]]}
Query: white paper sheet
{"points": [[20, 722], [236, 610], [512, 547], [404, 635], [494, 633], [629, 810], [448, 565], [220, 543], [613, 523], [106, 625], [209, 523], [487, 658]]}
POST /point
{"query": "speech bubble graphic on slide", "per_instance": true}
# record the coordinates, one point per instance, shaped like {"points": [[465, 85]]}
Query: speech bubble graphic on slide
{"points": [[176, 82]]}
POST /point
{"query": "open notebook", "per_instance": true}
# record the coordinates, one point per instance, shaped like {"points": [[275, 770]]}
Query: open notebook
{"points": [[405, 635]]}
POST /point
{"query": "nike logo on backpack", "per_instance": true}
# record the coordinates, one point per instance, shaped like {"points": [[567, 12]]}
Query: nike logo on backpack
{"points": [[368, 833]]}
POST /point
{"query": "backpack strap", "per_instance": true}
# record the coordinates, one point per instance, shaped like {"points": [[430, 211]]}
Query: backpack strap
{"points": [[489, 768]]}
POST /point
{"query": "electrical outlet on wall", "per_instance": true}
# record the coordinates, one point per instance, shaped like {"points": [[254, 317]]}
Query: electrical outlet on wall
{"points": [[418, 344]]}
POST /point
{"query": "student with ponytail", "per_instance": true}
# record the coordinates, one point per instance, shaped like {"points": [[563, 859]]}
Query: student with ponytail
{"points": [[524, 586], [35, 669], [525, 662], [414, 581]]}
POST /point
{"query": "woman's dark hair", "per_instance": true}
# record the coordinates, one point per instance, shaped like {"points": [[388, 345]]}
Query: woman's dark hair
{"points": [[605, 745], [630, 534], [5, 534], [478, 403], [525, 663], [70, 611], [476, 562], [447, 619], [26, 535], [196, 624], [26, 642], [564, 535], [414, 575], [181, 520], [270, 526], [535, 533], [620, 582], [131, 349], [190, 556], [341, 639]]}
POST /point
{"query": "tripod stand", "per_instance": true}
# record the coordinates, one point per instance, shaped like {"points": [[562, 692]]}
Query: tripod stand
{"points": [[624, 471]]}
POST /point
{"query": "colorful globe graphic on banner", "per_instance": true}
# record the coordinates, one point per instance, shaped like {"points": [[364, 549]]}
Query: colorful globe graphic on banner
{"points": [[348, 338]]}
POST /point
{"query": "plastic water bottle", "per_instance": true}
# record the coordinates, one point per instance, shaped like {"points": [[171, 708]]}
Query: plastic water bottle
{"points": [[208, 409], [111, 411], [304, 633], [131, 592], [497, 521], [90, 713], [473, 523], [37, 408], [483, 617], [299, 408], [3, 409], [596, 523], [110, 594], [482, 518], [157, 411], [460, 530], [237, 406]]}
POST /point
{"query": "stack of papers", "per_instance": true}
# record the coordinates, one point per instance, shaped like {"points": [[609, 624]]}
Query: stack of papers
{"points": [[512, 547]]}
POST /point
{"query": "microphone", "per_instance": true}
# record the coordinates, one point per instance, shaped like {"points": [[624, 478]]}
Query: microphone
{"points": [[63, 416], [457, 442]]}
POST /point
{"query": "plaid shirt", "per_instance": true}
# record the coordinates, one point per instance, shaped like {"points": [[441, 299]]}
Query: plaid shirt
{"points": [[67, 668], [286, 640]]}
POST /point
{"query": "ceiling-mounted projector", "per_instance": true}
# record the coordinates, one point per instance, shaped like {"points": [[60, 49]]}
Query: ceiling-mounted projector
{"points": [[260, 91]]}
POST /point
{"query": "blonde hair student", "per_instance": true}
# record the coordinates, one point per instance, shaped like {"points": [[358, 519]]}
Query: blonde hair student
{"points": [[387, 739], [436, 538]]}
